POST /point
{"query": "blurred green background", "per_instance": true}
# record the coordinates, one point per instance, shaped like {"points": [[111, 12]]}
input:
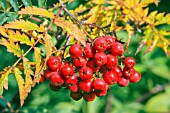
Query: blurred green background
{"points": [[150, 95]]}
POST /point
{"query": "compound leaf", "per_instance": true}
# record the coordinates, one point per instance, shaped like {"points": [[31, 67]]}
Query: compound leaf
{"points": [[48, 45], [25, 25], [71, 28], [21, 84], [37, 55], [24, 39], [11, 47], [36, 11]]}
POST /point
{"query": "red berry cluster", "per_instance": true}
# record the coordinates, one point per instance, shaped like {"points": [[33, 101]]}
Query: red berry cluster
{"points": [[97, 66]]}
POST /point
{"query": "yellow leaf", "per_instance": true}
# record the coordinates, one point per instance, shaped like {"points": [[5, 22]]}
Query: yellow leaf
{"points": [[94, 12], [24, 39], [48, 45], [38, 60], [98, 1], [28, 72], [11, 47], [36, 11], [152, 44], [72, 29], [3, 31], [25, 25], [4, 81], [21, 83]]}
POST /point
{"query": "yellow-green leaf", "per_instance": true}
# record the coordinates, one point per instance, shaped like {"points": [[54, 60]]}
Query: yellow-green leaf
{"points": [[48, 45], [3, 31], [24, 39], [25, 25], [21, 83], [72, 29], [28, 72], [38, 60], [36, 11], [4, 80], [11, 47]]}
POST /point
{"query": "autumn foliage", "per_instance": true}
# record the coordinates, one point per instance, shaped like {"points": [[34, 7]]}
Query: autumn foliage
{"points": [[82, 25]]}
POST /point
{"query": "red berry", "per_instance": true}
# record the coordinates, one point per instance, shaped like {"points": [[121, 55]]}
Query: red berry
{"points": [[104, 91], [89, 96], [56, 79], [89, 51], [135, 77], [101, 93], [92, 65], [103, 69], [67, 71], [85, 86], [117, 49], [42, 79], [47, 74], [112, 61], [117, 70], [75, 51], [122, 81], [54, 63], [129, 62], [128, 72], [100, 44], [76, 95], [54, 88], [107, 87], [71, 80], [99, 84], [110, 77], [85, 73], [100, 58], [79, 62], [110, 41], [73, 88]]}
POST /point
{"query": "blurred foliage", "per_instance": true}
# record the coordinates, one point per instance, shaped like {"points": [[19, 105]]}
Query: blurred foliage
{"points": [[139, 98]]}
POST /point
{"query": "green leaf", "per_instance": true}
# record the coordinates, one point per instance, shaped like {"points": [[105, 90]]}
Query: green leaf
{"points": [[12, 17], [3, 18], [41, 3], [3, 4], [14, 4], [27, 2], [158, 104], [159, 68]]}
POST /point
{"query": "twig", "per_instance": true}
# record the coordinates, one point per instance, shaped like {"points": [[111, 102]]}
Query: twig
{"points": [[36, 19], [8, 104], [71, 15], [155, 90], [108, 104]]}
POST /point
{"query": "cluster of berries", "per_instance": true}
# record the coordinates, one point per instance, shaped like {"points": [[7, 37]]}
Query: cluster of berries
{"points": [[97, 67]]}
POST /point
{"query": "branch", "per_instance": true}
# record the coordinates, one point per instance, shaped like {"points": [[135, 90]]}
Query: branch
{"points": [[74, 17], [108, 104], [157, 89], [8, 104]]}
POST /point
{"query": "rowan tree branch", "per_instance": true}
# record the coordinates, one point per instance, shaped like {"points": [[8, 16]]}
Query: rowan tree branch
{"points": [[8, 104]]}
